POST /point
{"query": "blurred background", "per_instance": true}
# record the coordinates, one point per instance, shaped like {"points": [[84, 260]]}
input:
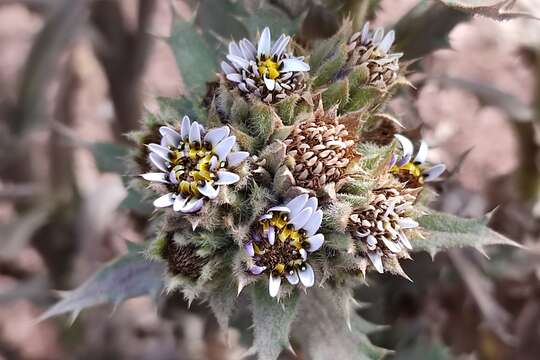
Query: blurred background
{"points": [[76, 75]]}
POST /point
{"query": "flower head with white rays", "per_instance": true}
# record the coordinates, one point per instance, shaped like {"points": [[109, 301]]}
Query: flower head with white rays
{"points": [[193, 164], [380, 230], [267, 71], [282, 240], [414, 172], [373, 49]]}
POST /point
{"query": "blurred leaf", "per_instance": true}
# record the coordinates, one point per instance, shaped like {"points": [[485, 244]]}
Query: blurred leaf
{"points": [[131, 275], [136, 201], [222, 300], [195, 59], [17, 234], [176, 108], [272, 321], [424, 349], [219, 19], [491, 96], [59, 30], [274, 18], [330, 314], [495, 9], [445, 231], [419, 35], [110, 157]]}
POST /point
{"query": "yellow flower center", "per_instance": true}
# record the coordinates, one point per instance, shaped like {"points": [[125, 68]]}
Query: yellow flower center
{"points": [[268, 67], [408, 171], [192, 166], [285, 253]]}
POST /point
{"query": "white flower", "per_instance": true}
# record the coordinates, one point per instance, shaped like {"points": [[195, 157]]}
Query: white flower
{"points": [[282, 240], [193, 164], [414, 172], [268, 71]]}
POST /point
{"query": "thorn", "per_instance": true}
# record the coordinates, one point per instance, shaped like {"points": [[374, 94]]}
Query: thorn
{"points": [[482, 251], [290, 348], [73, 316], [240, 287]]}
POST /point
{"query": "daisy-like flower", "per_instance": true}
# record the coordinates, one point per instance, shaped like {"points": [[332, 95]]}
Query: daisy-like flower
{"points": [[373, 48], [380, 230], [193, 164], [281, 241], [414, 172], [322, 149], [268, 71]]}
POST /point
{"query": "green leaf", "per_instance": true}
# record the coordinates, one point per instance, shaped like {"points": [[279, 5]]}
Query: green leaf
{"points": [[195, 59], [494, 9], [425, 349], [447, 231], [328, 327], [274, 18], [136, 201], [131, 275], [272, 321], [110, 157], [222, 299]]}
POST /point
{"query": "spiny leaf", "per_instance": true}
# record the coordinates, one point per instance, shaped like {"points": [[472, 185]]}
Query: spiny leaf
{"points": [[494, 9], [128, 276], [110, 157], [272, 321], [329, 314], [195, 59], [447, 231], [222, 299]]}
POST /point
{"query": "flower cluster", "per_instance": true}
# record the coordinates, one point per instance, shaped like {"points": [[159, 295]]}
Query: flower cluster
{"points": [[295, 148], [193, 164], [268, 72]]}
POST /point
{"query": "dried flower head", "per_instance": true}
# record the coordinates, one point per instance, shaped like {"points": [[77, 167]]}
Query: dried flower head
{"points": [[373, 49], [193, 164], [268, 72], [323, 148], [414, 173], [281, 241], [183, 259], [380, 229]]}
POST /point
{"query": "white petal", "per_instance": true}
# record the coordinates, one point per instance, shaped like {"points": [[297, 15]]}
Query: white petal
{"points": [[404, 240], [271, 235], [157, 177], [297, 204], [158, 161], [406, 145], [378, 35], [249, 249], [236, 158], [294, 65], [391, 245], [387, 42], [227, 178], [184, 129], [273, 285], [234, 49], [161, 151], [407, 223], [314, 223], [224, 147], [179, 203], [303, 254], [209, 191], [227, 68], [173, 138], [376, 260], [256, 270], [264, 43], [248, 50], [243, 87], [434, 172], [301, 219], [234, 77], [214, 162], [315, 242], [214, 136], [279, 209], [365, 33], [307, 277], [312, 203], [195, 133], [164, 201], [270, 84], [292, 277], [422, 153], [192, 206], [280, 45], [238, 62]]}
